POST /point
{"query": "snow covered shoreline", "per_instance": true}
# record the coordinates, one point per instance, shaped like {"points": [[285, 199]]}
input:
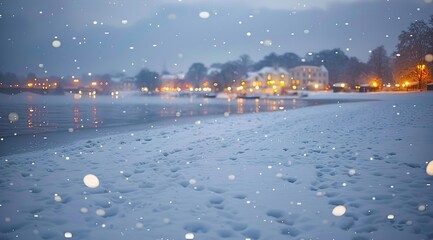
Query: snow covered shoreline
{"points": [[275, 175], [62, 135]]}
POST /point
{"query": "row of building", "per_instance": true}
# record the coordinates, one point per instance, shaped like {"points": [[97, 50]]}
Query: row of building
{"points": [[268, 80], [271, 80]]}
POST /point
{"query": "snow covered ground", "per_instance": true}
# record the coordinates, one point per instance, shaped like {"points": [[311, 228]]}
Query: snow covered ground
{"points": [[275, 175]]}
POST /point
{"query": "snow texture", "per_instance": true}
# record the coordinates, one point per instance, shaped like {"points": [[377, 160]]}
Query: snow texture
{"points": [[275, 175]]}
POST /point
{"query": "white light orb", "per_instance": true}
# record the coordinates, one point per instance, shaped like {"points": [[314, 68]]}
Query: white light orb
{"points": [[231, 177], [84, 210], [422, 208], [57, 198], [100, 212], [339, 211], [189, 236], [13, 117], [77, 96], [68, 235], [192, 181], [56, 43], [429, 168], [91, 181], [352, 172], [204, 15], [267, 42]]}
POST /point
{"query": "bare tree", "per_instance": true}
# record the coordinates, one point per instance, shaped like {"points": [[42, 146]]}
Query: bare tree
{"points": [[415, 44]]}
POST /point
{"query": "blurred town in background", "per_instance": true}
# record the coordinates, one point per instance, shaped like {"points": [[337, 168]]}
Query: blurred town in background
{"points": [[408, 68]]}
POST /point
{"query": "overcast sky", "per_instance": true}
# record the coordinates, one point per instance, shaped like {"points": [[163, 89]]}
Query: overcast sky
{"points": [[127, 35]]}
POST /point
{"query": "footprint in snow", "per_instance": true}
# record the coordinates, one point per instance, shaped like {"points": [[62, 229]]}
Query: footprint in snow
{"points": [[216, 202], [216, 190], [238, 226], [224, 233], [252, 233], [240, 196], [282, 217], [291, 231], [196, 227]]}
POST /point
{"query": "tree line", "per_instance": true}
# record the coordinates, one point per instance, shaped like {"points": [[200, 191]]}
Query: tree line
{"points": [[410, 62]]}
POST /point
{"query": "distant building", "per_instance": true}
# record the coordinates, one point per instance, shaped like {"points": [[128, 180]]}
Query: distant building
{"points": [[268, 80], [123, 83], [277, 80], [172, 82], [128, 84], [309, 77]]}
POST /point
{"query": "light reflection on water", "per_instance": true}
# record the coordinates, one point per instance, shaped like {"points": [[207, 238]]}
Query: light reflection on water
{"points": [[39, 114]]}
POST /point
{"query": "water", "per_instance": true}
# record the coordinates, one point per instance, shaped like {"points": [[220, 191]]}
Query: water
{"points": [[41, 113], [32, 122]]}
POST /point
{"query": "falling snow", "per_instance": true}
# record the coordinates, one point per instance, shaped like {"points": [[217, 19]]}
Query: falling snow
{"points": [[91, 181], [339, 211], [158, 183], [56, 44], [204, 15], [356, 170]]}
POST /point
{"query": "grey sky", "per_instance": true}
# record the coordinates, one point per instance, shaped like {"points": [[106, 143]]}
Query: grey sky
{"points": [[124, 36]]}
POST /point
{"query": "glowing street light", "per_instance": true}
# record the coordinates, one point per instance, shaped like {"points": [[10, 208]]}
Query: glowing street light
{"points": [[421, 68]]}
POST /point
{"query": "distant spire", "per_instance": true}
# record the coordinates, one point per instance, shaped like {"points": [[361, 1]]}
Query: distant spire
{"points": [[164, 68]]}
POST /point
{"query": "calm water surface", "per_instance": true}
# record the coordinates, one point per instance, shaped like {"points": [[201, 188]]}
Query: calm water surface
{"points": [[30, 122], [28, 113]]}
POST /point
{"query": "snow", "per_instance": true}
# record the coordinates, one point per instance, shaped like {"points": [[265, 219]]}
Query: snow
{"points": [[341, 171], [13, 117], [91, 181], [204, 15], [339, 211], [56, 43], [429, 168]]}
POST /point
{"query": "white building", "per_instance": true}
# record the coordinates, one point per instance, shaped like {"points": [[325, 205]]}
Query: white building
{"points": [[172, 82], [309, 78], [268, 80], [277, 80]]}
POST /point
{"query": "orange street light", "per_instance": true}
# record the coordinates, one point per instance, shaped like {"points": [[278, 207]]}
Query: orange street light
{"points": [[421, 66]]}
